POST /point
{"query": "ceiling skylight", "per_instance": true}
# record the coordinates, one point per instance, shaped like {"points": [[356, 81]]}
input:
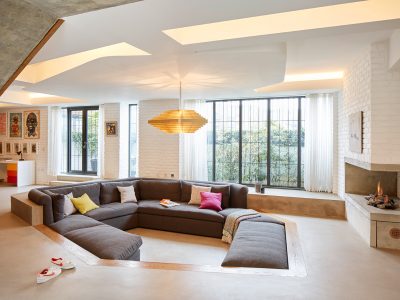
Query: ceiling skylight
{"points": [[306, 19]]}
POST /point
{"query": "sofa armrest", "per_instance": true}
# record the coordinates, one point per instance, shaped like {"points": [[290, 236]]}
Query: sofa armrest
{"points": [[43, 199], [238, 196]]}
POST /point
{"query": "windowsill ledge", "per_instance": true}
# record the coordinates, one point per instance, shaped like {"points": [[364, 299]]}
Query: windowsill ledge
{"points": [[296, 194]]}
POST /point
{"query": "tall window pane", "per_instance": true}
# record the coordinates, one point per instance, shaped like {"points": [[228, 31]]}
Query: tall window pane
{"points": [[284, 142], [210, 140], [254, 140], [92, 140], [133, 140], [76, 140], [227, 141]]}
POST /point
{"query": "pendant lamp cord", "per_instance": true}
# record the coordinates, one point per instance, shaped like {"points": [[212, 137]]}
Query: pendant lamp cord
{"points": [[180, 95]]}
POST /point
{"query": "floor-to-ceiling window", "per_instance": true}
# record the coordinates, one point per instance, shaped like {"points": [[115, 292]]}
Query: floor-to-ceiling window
{"points": [[82, 154], [253, 140], [132, 140]]}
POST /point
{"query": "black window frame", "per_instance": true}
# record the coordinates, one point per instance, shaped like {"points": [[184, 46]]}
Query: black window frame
{"points": [[299, 139], [85, 110], [129, 142]]}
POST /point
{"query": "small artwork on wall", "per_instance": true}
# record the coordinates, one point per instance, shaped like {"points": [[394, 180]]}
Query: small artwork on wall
{"points": [[32, 124], [8, 147], [112, 128], [15, 125], [1, 148], [3, 124], [25, 148], [17, 147], [355, 132], [34, 148]]}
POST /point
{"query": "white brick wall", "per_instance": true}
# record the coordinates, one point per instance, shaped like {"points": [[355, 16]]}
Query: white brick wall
{"points": [[158, 151], [370, 86], [111, 143], [385, 88], [41, 157]]}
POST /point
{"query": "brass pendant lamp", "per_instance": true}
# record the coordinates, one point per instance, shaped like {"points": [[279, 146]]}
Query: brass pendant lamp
{"points": [[178, 120]]}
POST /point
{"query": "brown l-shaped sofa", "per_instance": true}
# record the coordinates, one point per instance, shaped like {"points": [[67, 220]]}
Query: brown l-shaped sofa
{"points": [[101, 231]]}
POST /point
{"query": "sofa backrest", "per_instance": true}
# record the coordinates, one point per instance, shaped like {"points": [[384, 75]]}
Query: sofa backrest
{"points": [[109, 190], [157, 189], [103, 192]]}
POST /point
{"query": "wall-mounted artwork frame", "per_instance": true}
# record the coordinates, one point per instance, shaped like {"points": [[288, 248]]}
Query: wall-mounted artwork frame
{"points": [[34, 148], [17, 147], [356, 132], [111, 128], [3, 124], [8, 148], [32, 124], [15, 126], [25, 148], [1, 148]]}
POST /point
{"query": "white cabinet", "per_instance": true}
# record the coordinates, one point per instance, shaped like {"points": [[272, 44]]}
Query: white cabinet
{"points": [[18, 172]]}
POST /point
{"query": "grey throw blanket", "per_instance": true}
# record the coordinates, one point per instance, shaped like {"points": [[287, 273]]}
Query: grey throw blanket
{"points": [[233, 220]]}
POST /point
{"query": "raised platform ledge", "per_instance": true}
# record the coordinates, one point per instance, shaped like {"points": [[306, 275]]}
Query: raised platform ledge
{"points": [[295, 202]]}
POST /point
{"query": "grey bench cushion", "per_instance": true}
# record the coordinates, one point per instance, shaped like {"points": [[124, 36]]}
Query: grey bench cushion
{"points": [[258, 245], [109, 192], [113, 210], [107, 242], [73, 222], [184, 210]]}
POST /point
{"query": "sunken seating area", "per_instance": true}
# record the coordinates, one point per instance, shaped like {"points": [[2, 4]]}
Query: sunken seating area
{"points": [[101, 231]]}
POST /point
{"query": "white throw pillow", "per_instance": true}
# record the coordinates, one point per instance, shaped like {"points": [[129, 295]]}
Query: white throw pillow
{"points": [[69, 207], [127, 193], [195, 198]]}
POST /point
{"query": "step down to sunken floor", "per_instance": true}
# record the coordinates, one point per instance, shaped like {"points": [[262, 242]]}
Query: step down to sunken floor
{"points": [[294, 202]]}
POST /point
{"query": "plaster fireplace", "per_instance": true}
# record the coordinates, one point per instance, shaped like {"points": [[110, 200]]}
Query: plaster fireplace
{"points": [[380, 228]]}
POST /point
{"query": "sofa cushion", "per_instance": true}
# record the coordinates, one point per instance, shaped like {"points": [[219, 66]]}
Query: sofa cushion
{"points": [[92, 189], [215, 188], [258, 245], [184, 210], [73, 222], [112, 210], [264, 218], [58, 202], [106, 242], [157, 189], [109, 191]]}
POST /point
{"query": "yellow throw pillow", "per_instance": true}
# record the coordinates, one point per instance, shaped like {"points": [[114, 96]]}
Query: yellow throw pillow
{"points": [[84, 204]]}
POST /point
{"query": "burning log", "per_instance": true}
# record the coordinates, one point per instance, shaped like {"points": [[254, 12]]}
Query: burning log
{"points": [[380, 200]]}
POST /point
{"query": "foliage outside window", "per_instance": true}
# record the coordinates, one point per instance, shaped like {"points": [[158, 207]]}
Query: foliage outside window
{"points": [[258, 140]]}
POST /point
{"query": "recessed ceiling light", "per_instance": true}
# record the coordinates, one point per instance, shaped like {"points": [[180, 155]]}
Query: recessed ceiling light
{"points": [[43, 70], [306, 19]]}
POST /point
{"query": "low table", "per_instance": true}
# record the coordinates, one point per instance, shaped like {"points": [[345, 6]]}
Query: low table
{"points": [[380, 228]]}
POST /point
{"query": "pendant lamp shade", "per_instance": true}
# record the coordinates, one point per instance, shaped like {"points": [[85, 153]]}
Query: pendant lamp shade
{"points": [[178, 121]]}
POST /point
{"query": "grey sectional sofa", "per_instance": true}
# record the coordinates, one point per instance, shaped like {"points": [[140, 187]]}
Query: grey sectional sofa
{"points": [[101, 231]]}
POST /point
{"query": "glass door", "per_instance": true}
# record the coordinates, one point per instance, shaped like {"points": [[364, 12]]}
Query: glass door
{"points": [[83, 140]]}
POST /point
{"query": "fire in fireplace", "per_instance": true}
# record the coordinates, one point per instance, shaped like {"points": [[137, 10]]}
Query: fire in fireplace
{"points": [[380, 200]]}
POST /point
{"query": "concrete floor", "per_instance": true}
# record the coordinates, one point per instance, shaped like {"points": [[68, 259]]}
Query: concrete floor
{"points": [[171, 247], [339, 265]]}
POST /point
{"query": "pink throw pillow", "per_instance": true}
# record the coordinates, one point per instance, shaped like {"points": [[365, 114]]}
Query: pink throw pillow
{"points": [[211, 201]]}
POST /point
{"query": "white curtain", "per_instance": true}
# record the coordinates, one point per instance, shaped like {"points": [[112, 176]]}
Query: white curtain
{"points": [[318, 152], [194, 146], [100, 148], [55, 145]]}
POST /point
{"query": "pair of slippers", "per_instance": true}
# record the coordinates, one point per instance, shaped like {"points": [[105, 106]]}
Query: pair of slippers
{"points": [[59, 264]]}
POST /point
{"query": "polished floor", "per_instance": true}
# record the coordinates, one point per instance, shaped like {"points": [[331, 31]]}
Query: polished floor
{"points": [[339, 266]]}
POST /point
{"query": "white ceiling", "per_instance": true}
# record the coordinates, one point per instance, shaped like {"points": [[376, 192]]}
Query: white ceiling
{"points": [[223, 69]]}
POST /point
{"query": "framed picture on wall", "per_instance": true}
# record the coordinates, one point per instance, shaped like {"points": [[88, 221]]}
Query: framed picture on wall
{"points": [[34, 148], [32, 124], [15, 127], [17, 147], [1, 148], [25, 148], [8, 148], [3, 124], [112, 128], [355, 132]]}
